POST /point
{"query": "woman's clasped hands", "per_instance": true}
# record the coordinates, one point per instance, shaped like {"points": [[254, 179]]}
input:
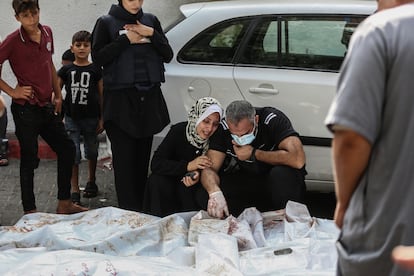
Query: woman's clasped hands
{"points": [[138, 33]]}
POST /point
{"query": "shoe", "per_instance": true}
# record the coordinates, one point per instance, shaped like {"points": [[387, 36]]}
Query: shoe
{"points": [[76, 198], [91, 190], [4, 147], [3, 161]]}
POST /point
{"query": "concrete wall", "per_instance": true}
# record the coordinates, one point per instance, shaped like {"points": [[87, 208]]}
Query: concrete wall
{"points": [[68, 16]]}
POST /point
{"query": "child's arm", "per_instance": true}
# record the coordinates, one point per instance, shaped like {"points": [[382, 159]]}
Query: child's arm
{"points": [[100, 99], [2, 103], [57, 90], [60, 83], [20, 92], [2, 106]]}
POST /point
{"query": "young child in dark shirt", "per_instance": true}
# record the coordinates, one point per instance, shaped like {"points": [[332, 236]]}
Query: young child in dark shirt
{"points": [[83, 109]]}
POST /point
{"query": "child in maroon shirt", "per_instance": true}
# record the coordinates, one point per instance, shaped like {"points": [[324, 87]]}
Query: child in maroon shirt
{"points": [[29, 51]]}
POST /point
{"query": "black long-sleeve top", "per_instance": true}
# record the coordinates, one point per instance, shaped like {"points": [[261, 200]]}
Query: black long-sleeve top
{"points": [[132, 73], [105, 49], [174, 153]]}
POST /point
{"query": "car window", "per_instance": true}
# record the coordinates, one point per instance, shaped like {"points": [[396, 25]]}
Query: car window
{"points": [[215, 45], [318, 43], [262, 47]]}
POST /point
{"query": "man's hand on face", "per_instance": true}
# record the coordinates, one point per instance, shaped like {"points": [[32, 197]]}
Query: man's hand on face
{"points": [[243, 152]]}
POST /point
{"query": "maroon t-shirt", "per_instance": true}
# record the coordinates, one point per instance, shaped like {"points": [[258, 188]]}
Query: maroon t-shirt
{"points": [[31, 62]]}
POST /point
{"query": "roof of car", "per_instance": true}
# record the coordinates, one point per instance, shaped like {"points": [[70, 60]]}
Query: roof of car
{"points": [[247, 7]]}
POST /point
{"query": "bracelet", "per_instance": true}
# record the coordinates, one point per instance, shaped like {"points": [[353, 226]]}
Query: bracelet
{"points": [[253, 155]]}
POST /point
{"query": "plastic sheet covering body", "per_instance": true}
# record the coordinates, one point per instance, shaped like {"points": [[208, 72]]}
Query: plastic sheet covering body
{"points": [[112, 241]]}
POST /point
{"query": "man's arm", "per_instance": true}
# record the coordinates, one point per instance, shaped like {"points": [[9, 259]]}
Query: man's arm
{"points": [[216, 205], [289, 152], [209, 176], [351, 153]]}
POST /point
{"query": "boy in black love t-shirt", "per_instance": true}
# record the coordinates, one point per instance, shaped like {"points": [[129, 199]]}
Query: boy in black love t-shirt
{"points": [[83, 109]]}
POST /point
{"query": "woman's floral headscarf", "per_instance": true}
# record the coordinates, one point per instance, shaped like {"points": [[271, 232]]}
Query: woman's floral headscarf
{"points": [[202, 108]]}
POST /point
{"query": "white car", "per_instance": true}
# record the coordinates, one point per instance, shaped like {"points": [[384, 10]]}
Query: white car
{"points": [[280, 53]]}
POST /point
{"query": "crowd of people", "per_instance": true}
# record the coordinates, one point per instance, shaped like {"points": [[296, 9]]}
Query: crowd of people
{"points": [[120, 91], [220, 160]]}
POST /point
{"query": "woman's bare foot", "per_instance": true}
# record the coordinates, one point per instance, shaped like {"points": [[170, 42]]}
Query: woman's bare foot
{"points": [[67, 207]]}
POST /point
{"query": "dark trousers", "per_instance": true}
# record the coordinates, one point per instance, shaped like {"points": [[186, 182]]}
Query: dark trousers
{"points": [[266, 192], [130, 160], [3, 125], [32, 121], [165, 195], [3, 140]]}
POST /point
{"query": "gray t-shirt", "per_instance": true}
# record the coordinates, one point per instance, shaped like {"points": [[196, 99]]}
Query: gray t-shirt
{"points": [[376, 99]]}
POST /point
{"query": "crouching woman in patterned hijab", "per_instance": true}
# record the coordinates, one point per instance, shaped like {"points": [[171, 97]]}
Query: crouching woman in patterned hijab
{"points": [[177, 162]]}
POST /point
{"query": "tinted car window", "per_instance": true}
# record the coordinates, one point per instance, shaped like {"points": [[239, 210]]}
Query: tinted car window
{"points": [[315, 43], [262, 46], [215, 45], [318, 43]]}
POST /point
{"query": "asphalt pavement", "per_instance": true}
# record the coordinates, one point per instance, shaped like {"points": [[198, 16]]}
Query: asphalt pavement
{"points": [[45, 186]]}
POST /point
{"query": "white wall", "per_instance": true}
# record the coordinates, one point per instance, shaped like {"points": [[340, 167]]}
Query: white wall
{"points": [[66, 17]]}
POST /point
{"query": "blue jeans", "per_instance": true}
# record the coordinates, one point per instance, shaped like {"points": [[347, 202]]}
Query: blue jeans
{"points": [[87, 129], [32, 121]]}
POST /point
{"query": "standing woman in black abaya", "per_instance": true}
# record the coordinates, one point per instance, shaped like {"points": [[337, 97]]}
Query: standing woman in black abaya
{"points": [[131, 47]]}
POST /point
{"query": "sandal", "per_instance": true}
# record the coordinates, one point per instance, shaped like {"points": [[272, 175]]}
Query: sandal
{"points": [[3, 161], [76, 198], [91, 190]]}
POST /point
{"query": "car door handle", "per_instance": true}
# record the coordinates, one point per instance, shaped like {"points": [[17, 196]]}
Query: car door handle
{"points": [[259, 90]]}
